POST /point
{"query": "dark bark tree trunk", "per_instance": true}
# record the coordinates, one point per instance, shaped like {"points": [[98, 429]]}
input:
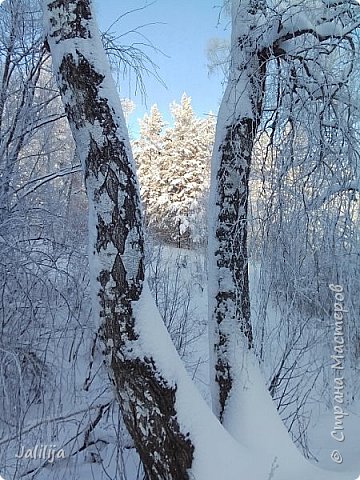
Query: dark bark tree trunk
{"points": [[238, 121], [258, 34], [116, 252]]}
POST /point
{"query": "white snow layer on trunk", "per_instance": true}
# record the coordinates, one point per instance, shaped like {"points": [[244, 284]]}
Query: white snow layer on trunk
{"points": [[250, 415], [230, 110], [263, 449], [92, 51]]}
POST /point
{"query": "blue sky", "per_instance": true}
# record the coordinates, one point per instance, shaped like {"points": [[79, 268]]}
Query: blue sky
{"points": [[182, 33]]}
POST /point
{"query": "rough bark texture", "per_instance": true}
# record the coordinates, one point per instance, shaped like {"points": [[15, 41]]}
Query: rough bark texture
{"points": [[229, 301], [232, 307], [258, 34], [116, 252]]}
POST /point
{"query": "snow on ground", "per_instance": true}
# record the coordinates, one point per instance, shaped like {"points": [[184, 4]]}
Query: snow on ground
{"points": [[264, 451], [321, 444]]}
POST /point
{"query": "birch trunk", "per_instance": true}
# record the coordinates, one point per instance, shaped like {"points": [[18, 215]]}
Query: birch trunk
{"points": [[238, 121], [116, 250]]}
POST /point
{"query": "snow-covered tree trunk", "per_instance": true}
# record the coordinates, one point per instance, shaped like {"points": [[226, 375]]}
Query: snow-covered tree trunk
{"points": [[238, 120], [116, 250], [259, 34]]}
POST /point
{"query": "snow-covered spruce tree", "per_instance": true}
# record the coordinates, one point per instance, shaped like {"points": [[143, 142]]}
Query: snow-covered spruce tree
{"points": [[147, 149], [174, 171], [300, 36], [187, 152]]}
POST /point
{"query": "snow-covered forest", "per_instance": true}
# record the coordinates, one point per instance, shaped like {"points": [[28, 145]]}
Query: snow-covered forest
{"points": [[182, 302]]}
